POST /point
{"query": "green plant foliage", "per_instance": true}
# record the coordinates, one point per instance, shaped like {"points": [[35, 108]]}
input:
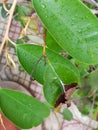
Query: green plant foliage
{"points": [[96, 129], [72, 25], [49, 74], [71, 56], [23, 110], [52, 85], [22, 11], [3, 12], [29, 55], [22, 40], [67, 114], [82, 67], [86, 109], [88, 94], [52, 44], [93, 79], [96, 113]]}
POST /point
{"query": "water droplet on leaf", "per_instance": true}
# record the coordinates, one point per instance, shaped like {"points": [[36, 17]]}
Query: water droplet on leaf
{"points": [[43, 6]]}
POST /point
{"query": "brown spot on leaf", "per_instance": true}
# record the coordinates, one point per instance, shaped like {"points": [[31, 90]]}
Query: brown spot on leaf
{"points": [[65, 97]]}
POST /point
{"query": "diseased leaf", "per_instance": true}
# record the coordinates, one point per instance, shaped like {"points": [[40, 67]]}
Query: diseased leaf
{"points": [[51, 73], [72, 25], [23, 110], [52, 85]]}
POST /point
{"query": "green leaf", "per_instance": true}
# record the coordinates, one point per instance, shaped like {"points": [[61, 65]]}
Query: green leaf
{"points": [[96, 113], [52, 44], [29, 55], [93, 79], [83, 68], [96, 129], [72, 25], [22, 11], [52, 85], [23, 110], [67, 114], [3, 12], [56, 71]]}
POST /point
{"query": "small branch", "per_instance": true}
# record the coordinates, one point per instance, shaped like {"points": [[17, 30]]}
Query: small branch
{"points": [[8, 25], [25, 28], [44, 46], [4, 6], [8, 57], [92, 2], [11, 42]]}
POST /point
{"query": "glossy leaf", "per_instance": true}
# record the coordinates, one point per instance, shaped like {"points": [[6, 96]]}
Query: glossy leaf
{"points": [[52, 44], [29, 55], [57, 70], [72, 25], [67, 114], [23, 110], [52, 85]]}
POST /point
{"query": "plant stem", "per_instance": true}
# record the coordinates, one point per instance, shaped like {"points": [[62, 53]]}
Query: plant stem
{"points": [[44, 46], [11, 11], [4, 6], [11, 41]]}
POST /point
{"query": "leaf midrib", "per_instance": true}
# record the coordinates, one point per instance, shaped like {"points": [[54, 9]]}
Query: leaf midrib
{"points": [[19, 103]]}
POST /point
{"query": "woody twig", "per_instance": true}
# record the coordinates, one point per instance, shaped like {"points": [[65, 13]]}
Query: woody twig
{"points": [[11, 11]]}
